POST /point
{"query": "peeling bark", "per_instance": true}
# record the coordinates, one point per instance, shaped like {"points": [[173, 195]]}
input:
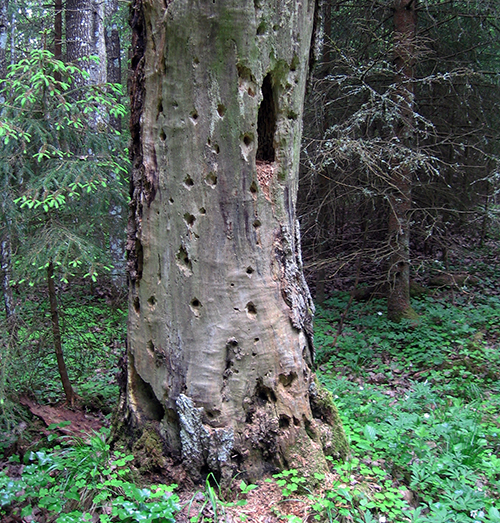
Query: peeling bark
{"points": [[137, 190], [220, 325]]}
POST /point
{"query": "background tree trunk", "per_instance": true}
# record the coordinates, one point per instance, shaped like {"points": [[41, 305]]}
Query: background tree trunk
{"points": [[58, 30], [398, 299], [116, 212], [220, 336], [56, 332], [113, 57], [6, 267], [5, 242], [85, 37], [3, 41]]}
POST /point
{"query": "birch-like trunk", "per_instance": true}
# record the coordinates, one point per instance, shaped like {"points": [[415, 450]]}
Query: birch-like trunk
{"points": [[220, 343]]}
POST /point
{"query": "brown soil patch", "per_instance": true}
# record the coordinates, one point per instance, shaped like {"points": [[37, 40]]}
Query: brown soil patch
{"points": [[265, 504]]}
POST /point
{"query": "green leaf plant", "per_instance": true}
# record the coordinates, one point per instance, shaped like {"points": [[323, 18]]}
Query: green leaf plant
{"points": [[84, 481], [61, 165]]}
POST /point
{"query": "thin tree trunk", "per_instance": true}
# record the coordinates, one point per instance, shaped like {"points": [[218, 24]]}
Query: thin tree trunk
{"points": [[323, 182], [324, 230], [5, 244], [117, 224], [56, 332], [13, 39], [8, 297], [113, 58], [398, 301], [3, 41], [58, 16]]}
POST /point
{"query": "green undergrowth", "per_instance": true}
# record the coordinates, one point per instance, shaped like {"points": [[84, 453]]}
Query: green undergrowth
{"points": [[93, 336], [420, 403], [84, 480], [453, 344], [80, 480]]}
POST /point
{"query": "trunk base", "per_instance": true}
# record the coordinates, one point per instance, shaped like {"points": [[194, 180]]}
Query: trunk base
{"points": [[264, 445]]}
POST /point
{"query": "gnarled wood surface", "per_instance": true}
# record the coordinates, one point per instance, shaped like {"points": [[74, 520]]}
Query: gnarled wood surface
{"points": [[220, 335]]}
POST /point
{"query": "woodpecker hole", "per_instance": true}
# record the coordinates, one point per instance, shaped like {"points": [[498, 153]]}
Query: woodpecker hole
{"points": [[211, 179], [183, 261], [189, 219], [251, 310], [266, 123]]}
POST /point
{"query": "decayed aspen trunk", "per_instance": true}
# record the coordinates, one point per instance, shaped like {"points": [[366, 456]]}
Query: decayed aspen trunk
{"points": [[220, 336]]}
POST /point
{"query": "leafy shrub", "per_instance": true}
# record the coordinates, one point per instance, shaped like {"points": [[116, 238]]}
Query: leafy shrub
{"points": [[77, 482]]}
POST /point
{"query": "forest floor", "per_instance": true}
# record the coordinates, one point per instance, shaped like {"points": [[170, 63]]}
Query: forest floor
{"points": [[420, 403]]}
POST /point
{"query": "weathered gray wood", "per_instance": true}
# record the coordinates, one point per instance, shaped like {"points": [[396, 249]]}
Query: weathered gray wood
{"points": [[220, 334]]}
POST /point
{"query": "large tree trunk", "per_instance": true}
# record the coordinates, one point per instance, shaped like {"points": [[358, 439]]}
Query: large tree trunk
{"points": [[398, 301], [220, 337]]}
